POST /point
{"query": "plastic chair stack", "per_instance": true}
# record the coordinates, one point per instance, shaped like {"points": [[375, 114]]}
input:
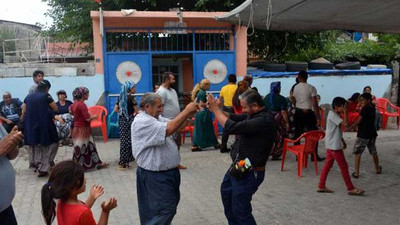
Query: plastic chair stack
{"points": [[189, 128], [303, 150], [101, 113], [112, 123], [215, 124], [382, 106]]}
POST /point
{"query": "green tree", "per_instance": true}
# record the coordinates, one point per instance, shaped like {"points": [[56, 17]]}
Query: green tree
{"points": [[72, 17]]}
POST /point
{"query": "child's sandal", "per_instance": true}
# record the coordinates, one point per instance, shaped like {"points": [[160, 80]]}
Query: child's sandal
{"points": [[379, 171], [355, 175], [356, 191], [324, 190]]}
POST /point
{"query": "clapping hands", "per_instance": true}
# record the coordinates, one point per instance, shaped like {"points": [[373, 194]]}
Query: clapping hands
{"points": [[212, 103], [110, 205], [96, 191]]}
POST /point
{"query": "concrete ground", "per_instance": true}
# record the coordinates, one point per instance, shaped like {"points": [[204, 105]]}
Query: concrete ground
{"points": [[282, 198]]}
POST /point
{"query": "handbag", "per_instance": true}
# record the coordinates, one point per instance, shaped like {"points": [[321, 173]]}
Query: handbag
{"points": [[239, 169]]}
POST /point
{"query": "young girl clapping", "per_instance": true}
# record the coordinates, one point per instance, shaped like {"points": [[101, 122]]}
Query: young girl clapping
{"points": [[65, 183]]}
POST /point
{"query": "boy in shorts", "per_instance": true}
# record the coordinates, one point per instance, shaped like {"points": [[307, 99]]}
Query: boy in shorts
{"points": [[335, 144], [366, 134]]}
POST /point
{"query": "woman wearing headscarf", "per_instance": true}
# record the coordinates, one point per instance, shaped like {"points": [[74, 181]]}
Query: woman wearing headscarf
{"points": [[203, 135], [127, 109], [249, 79], [278, 106], [63, 119], [85, 152], [40, 133]]}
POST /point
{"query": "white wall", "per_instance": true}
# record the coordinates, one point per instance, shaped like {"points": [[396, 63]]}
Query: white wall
{"points": [[330, 87], [19, 86]]}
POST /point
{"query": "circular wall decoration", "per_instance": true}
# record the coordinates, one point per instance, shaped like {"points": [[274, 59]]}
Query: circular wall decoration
{"points": [[128, 71], [215, 71]]}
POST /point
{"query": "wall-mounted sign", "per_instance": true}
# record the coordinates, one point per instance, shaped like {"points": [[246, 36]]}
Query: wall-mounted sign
{"points": [[128, 71], [215, 71]]}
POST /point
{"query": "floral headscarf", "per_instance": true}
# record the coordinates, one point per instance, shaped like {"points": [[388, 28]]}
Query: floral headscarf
{"points": [[79, 92], [123, 97], [275, 87]]}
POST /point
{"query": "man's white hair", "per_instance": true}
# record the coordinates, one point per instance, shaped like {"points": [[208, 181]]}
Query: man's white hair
{"points": [[6, 93]]}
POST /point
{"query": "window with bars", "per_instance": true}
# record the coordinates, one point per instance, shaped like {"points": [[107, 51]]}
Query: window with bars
{"points": [[169, 40]]}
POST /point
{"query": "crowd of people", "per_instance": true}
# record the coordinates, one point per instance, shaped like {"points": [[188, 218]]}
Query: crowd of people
{"points": [[150, 134]]}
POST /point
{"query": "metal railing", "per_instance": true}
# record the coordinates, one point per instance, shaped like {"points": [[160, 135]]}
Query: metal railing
{"points": [[40, 49], [168, 39]]}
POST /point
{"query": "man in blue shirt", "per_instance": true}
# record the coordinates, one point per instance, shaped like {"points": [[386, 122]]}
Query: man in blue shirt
{"points": [[8, 151], [10, 111]]}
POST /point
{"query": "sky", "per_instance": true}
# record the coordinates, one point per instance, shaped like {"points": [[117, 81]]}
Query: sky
{"points": [[24, 11]]}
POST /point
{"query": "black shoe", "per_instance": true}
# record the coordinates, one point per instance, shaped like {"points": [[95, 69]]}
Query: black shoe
{"points": [[43, 174], [276, 158], [319, 159], [196, 149], [224, 150]]}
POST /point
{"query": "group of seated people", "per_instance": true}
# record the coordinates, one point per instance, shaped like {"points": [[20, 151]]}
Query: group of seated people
{"points": [[11, 114]]}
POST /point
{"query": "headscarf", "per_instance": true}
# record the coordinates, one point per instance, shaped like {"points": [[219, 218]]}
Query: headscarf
{"points": [[123, 97], [249, 79], [275, 87], [79, 92]]}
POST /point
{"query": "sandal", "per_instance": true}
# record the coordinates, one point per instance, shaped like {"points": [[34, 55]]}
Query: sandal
{"points": [[122, 167], [379, 171], [102, 166], [196, 149], [355, 175], [324, 190], [356, 191]]}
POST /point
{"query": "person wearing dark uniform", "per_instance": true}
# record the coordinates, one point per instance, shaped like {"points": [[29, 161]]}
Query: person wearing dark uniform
{"points": [[255, 131]]}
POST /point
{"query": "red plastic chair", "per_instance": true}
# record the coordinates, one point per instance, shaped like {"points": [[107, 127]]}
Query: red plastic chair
{"points": [[303, 150], [322, 116], [189, 128], [101, 113], [382, 105], [215, 124]]}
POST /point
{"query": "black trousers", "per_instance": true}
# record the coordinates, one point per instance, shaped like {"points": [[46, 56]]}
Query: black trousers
{"points": [[7, 217], [225, 135], [304, 121]]}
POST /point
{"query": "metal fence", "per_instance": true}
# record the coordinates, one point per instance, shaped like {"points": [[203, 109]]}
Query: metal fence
{"points": [[168, 39], [41, 49]]}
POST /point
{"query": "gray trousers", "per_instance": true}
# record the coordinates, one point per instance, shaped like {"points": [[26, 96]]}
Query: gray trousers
{"points": [[41, 157]]}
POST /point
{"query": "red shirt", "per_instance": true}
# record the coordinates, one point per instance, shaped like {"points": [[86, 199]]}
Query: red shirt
{"points": [[81, 114], [68, 214]]}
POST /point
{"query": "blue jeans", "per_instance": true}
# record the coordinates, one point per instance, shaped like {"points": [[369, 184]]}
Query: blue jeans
{"points": [[158, 195], [7, 217], [236, 197]]}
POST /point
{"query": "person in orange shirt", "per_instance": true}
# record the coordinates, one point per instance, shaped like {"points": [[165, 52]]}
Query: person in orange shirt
{"points": [[66, 182], [226, 95]]}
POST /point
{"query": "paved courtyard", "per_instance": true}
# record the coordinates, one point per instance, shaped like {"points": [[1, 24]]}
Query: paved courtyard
{"points": [[281, 199]]}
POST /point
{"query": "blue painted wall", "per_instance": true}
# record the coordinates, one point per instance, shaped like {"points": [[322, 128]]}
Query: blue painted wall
{"points": [[19, 86], [331, 86]]}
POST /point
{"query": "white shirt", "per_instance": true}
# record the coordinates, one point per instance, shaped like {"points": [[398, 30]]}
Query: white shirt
{"points": [[170, 101], [303, 93], [152, 149], [333, 134]]}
